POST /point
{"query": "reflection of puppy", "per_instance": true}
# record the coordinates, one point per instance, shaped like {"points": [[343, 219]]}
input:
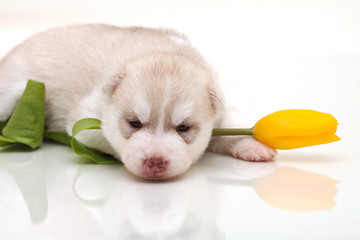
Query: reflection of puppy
{"points": [[156, 97]]}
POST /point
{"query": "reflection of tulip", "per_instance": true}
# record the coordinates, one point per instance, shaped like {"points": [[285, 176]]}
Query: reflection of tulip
{"points": [[296, 128], [298, 190]]}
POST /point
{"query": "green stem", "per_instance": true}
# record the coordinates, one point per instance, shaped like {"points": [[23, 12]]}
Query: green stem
{"points": [[232, 131]]}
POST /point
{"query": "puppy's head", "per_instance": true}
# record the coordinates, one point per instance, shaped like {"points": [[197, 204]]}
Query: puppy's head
{"points": [[160, 115]]}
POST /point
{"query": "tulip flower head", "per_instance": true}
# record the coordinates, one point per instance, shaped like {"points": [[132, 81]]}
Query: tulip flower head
{"points": [[296, 128]]}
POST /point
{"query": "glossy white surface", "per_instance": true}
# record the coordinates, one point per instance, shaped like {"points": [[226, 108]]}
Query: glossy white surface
{"points": [[272, 55]]}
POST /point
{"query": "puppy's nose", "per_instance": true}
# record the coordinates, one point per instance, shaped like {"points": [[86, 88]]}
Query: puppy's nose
{"points": [[155, 163]]}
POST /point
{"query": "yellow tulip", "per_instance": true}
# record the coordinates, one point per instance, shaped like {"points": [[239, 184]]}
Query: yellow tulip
{"points": [[296, 128]]}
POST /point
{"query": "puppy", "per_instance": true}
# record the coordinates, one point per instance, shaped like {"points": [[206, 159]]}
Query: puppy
{"points": [[157, 98]]}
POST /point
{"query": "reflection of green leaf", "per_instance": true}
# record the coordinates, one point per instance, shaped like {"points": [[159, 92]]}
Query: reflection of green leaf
{"points": [[26, 125], [81, 150]]}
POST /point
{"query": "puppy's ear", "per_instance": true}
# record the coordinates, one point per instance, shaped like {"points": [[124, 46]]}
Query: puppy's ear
{"points": [[112, 83], [216, 101]]}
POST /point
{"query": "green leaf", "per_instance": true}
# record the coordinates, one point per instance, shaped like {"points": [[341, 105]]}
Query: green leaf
{"points": [[81, 150], [85, 124], [2, 125], [5, 141], [26, 125], [58, 137]]}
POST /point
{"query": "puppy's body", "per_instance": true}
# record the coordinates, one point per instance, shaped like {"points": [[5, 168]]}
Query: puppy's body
{"points": [[157, 98]]}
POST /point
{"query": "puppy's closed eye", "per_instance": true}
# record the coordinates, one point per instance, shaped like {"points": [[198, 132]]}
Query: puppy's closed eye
{"points": [[188, 132], [128, 126], [135, 124], [183, 128]]}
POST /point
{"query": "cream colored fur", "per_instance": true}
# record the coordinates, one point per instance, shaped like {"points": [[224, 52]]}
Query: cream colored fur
{"points": [[120, 75]]}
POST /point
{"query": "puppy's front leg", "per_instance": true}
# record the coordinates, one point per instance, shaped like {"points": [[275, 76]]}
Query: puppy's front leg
{"points": [[242, 147]]}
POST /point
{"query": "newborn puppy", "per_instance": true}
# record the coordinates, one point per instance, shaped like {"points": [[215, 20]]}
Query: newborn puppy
{"points": [[156, 97]]}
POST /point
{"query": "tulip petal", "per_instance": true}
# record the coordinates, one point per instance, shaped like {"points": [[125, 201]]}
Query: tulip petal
{"points": [[291, 142], [296, 128], [295, 122]]}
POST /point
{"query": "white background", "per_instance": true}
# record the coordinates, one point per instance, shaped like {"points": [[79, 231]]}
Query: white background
{"points": [[269, 55]]}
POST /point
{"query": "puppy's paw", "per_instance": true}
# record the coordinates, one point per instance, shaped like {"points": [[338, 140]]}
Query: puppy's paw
{"points": [[249, 149]]}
